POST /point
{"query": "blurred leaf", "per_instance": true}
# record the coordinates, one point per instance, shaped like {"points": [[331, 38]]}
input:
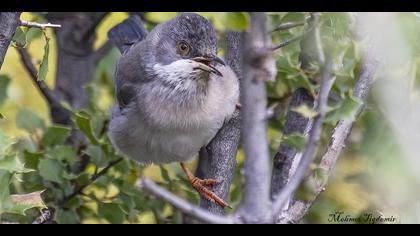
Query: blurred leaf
{"points": [[159, 17], [51, 170], [164, 174], [12, 164], [294, 17], [66, 216], [83, 122], [305, 111], [1, 117], [22, 202], [43, 68], [236, 21], [338, 22], [29, 121], [347, 109], [55, 135], [19, 38], [5, 178], [32, 159], [5, 143], [97, 156], [4, 83], [63, 153], [112, 212], [295, 140], [33, 34]]}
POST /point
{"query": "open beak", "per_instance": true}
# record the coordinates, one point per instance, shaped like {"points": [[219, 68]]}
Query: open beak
{"points": [[205, 63]]}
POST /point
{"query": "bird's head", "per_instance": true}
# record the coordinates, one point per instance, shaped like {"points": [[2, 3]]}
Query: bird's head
{"points": [[185, 48]]}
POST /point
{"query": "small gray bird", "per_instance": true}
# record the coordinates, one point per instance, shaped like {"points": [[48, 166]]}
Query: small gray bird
{"points": [[173, 92]]}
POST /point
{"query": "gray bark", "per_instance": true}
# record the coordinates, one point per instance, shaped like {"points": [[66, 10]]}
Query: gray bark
{"points": [[218, 161], [8, 23], [259, 66]]}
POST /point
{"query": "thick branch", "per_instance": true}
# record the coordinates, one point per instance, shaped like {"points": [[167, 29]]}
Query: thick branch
{"points": [[338, 141], [315, 134], [259, 66], [8, 23], [184, 206], [220, 155], [295, 123], [46, 216]]}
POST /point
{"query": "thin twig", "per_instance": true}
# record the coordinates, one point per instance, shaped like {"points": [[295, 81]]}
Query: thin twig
{"points": [[184, 206], [290, 25], [314, 22], [46, 216], [314, 137], [79, 190], [38, 25]]}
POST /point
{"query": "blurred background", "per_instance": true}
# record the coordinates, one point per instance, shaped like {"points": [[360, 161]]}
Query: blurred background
{"points": [[379, 171]]}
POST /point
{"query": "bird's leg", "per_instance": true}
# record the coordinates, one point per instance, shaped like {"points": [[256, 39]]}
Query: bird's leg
{"points": [[201, 186]]}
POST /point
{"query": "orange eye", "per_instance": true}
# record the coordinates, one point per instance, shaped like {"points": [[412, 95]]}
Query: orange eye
{"points": [[182, 48]]}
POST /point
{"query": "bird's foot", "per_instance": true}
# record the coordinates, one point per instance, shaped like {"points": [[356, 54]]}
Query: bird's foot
{"points": [[238, 106], [201, 186]]}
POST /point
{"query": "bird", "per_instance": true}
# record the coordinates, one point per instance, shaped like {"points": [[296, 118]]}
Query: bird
{"points": [[173, 93]]}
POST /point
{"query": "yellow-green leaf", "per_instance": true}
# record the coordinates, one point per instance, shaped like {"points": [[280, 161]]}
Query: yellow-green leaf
{"points": [[55, 135], [83, 122], [305, 111], [12, 164], [43, 68], [158, 17], [19, 38], [4, 83], [236, 21]]}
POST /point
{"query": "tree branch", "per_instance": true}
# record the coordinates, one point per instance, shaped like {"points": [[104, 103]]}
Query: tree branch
{"points": [[102, 52], [259, 66], [149, 186], [220, 156], [338, 141], [59, 114], [38, 25], [315, 134], [290, 25], [285, 157], [8, 23], [46, 216], [312, 23]]}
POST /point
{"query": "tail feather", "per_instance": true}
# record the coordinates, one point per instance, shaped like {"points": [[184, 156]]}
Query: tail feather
{"points": [[127, 33]]}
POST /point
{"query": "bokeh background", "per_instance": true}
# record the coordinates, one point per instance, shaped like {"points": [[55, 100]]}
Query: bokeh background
{"points": [[377, 173]]}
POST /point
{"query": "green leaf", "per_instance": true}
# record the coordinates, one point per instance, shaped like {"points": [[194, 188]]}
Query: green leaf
{"points": [[22, 202], [83, 122], [97, 155], [19, 38], [5, 143], [5, 178], [294, 17], [111, 212], [55, 135], [159, 17], [4, 83], [43, 68], [51, 170], [1, 117], [66, 216], [295, 140], [63, 154], [347, 109], [237, 21], [12, 164], [29, 121], [165, 175], [305, 111]]}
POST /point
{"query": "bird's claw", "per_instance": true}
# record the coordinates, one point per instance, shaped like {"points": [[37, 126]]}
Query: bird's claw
{"points": [[201, 186]]}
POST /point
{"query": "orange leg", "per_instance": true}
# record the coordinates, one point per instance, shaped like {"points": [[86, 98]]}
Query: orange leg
{"points": [[201, 186]]}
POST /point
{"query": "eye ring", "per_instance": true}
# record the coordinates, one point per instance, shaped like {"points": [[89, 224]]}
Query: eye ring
{"points": [[182, 48]]}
